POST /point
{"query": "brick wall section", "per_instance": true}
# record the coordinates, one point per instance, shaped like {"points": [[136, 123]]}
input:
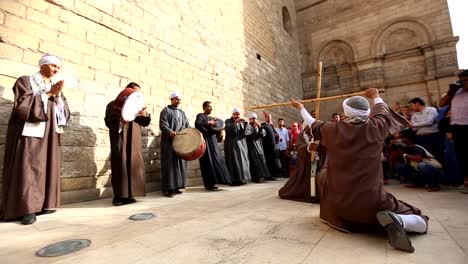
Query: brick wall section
{"points": [[404, 46], [205, 49]]}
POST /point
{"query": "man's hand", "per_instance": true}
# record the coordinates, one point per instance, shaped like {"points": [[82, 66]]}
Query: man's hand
{"points": [[297, 104], [212, 122], [173, 134], [143, 112], [56, 89], [372, 93]]}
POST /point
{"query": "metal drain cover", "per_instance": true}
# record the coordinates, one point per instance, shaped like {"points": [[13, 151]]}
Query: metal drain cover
{"points": [[63, 248], [142, 216]]}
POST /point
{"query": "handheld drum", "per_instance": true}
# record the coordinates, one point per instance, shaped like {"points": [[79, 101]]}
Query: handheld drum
{"points": [[129, 103], [219, 124], [189, 144]]}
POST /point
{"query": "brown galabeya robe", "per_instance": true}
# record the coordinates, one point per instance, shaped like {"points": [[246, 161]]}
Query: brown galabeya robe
{"points": [[31, 168], [352, 191], [127, 165]]}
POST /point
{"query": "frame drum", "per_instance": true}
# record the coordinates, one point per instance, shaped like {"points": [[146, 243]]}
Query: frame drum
{"points": [[129, 102], [219, 125], [189, 144]]}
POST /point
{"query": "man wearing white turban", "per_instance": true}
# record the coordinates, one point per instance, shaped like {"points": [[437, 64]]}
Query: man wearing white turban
{"points": [[31, 168], [172, 120], [352, 195], [254, 133]]}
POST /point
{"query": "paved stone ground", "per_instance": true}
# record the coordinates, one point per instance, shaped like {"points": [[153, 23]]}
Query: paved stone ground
{"points": [[247, 224]]}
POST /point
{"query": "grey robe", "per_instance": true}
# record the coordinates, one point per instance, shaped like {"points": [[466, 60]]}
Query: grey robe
{"points": [[128, 168], [31, 168], [235, 151], [258, 167], [172, 166]]}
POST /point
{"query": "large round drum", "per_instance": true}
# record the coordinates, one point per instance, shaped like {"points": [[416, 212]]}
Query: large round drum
{"points": [[129, 102], [189, 144]]}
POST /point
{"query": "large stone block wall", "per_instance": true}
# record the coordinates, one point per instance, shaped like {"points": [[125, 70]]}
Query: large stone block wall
{"points": [[230, 52], [403, 46]]}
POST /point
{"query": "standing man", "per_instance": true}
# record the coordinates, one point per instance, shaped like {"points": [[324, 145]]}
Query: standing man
{"points": [[283, 146], [352, 195], [457, 98], [254, 133], [270, 147], [235, 149], [424, 123], [128, 168], [171, 121], [31, 168], [212, 165]]}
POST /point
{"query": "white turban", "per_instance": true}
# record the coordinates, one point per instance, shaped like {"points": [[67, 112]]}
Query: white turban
{"points": [[253, 116], [236, 110], [174, 95], [50, 59], [356, 106]]}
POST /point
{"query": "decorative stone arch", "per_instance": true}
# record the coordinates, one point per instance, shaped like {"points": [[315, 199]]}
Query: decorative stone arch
{"points": [[339, 71], [401, 35], [287, 22]]}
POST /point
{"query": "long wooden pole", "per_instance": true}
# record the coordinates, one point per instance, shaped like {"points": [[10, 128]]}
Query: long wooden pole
{"points": [[310, 100], [319, 89]]}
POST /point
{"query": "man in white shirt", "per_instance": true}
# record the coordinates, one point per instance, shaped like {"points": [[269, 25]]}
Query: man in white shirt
{"points": [[424, 123], [283, 146]]}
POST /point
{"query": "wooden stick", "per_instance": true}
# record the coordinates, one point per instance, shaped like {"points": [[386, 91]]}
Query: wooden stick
{"points": [[309, 100], [319, 89]]}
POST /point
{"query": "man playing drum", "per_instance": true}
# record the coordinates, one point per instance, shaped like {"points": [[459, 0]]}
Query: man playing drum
{"points": [[128, 168], [212, 165], [352, 196], [171, 121]]}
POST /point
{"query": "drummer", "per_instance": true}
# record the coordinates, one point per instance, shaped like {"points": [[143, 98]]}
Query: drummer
{"points": [[171, 121], [212, 165], [128, 174]]}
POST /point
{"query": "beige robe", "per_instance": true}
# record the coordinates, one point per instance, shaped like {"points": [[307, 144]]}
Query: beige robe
{"points": [[31, 168]]}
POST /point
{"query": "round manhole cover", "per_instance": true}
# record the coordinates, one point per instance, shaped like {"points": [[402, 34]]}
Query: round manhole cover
{"points": [[63, 248], [142, 216]]}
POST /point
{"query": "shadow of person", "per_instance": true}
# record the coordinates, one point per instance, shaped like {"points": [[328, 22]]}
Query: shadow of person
{"points": [[151, 155], [5, 110]]}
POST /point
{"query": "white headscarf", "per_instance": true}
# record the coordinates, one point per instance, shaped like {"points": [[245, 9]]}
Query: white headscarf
{"points": [[353, 114], [174, 95], [50, 59], [253, 116], [236, 110]]}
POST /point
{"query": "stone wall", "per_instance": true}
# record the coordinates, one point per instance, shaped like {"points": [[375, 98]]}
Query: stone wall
{"points": [[230, 52], [403, 46]]}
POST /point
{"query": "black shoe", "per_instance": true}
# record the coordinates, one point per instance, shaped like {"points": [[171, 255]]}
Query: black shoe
{"points": [[117, 201], [28, 219], [270, 178], [128, 200], [178, 191], [169, 194], [396, 235], [213, 189], [46, 211]]}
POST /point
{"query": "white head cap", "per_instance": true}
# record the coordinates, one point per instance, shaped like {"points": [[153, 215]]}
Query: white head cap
{"points": [[50, 59], [356, 106], [253, 116], [174, 95], [236, 110]]}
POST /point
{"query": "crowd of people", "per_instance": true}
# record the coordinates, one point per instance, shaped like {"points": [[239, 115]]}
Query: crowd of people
{"points": [[342, 163]]}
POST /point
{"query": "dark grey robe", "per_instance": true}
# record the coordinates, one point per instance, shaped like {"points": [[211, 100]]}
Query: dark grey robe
{"points": [[172, 166], [258, 167], [235, 151], [212, 165], [271, 153], [31, 168], [128, 168]]}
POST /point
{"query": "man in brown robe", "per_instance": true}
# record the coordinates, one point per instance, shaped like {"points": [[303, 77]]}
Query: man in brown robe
{"points": [[352, 196], [31, 168], [128, 168]]}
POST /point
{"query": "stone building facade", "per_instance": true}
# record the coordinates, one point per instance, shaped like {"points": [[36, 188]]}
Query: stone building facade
{"points": [[234, 53], [405, 47]]}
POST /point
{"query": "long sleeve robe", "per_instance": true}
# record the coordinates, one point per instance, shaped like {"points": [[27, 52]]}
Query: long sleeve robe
{"points": [[352, 191], [212, 165], [271, 152], [127, 165], [31, 168], [258, 167], [172, 166], [235, 151]]}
